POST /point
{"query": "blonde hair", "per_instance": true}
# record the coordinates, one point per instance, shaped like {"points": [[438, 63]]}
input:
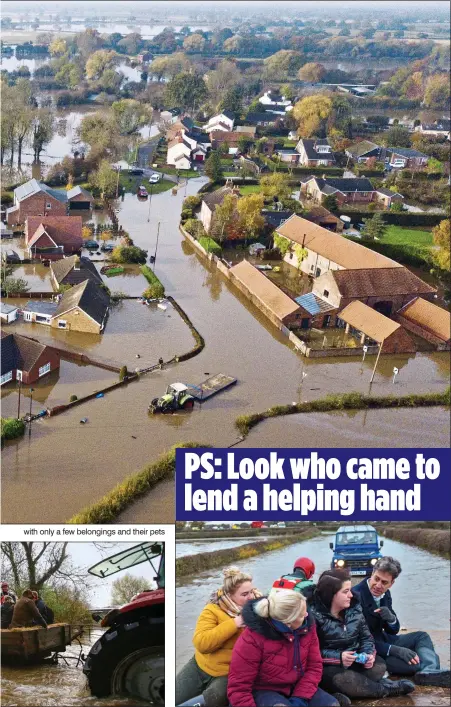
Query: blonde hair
{"points": [[233, 579], [284, 606]]}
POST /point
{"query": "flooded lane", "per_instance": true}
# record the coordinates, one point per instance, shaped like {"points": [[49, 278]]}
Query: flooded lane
{"points": [[121, 438], [424, 575]]}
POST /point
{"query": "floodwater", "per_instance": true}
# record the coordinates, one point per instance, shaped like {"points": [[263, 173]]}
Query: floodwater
{"points": [[121, 437], [49, 685], [194, 547], [424, 575], [147, 31]]}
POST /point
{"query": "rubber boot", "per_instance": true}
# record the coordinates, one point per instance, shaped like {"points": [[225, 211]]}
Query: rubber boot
{"points": [[439, 679], [194, 702], [343, 700], [395, 688]]}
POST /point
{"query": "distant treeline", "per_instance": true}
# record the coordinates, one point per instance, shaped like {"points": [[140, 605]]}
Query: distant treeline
{"points": [[434, 540]]}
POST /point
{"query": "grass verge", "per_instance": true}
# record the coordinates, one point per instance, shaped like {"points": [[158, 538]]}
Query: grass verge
{"points": [[156, 288], [210, 245], [131, 184], [345, 401], [436, 541], [191, 564], [126, 492]]}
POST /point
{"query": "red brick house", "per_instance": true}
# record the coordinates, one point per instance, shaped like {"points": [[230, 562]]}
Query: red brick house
{"points": [[52, 237], [368, 325], [26, 360], [315, 153], [36, 199], [347, 190], [427, 320], [79, 199]]}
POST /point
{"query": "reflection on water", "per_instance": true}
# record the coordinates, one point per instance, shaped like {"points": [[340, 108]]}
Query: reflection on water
{"points": [[192, 593]]}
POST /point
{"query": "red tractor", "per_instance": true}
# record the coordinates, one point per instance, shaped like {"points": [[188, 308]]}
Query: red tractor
{"points": [[128, 659]]}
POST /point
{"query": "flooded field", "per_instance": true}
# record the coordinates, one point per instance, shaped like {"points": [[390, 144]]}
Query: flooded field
{"points": [[193, 592], [194, 547], [121, 438], [49, 685]]}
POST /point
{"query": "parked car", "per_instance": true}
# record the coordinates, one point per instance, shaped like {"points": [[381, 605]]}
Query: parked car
{"points": [[92, 245], [10, 256], [135, 172], [142, 192], [154, 178], [107, 248]]}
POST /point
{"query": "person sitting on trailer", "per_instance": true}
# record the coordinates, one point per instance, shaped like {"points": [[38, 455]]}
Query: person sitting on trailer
{"points": [[299, 580], [46, 611], [7, 610], [7, 592], [26, 612]]}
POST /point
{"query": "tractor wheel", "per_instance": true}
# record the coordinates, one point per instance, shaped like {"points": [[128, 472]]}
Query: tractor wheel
{"points": [[188, 405], [128, 659]]}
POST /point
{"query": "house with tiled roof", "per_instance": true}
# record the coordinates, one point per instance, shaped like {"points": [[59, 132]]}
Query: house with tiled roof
{"points": [[82, 308], [36, 199], [25, 360], [371, 327], [222, 121], [315, 153], [346, 190], [327, 250], [385, 289], [275, 101], [438, 128], [405, 158], [52, 237], [362, 151], [427, 320], [210, 201], [79, 199], [324, 218], [73, 270], [189, 146]]}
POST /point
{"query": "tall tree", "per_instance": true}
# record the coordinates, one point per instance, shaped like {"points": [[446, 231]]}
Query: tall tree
{"points": [[251, 222], [129, 115], [375, 227], [98, 63], [442, 239], [105, 179], [34, 565], [224, 216], [42, 130], [312, 72], [282, 64], [124, 589], [224, 78], [213, 166], [311, 114], [186, 90]]}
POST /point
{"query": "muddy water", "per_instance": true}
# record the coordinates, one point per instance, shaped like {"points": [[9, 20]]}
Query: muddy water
{"points": [[48, 685], [54, 479], [193, 548], [423, 575]]}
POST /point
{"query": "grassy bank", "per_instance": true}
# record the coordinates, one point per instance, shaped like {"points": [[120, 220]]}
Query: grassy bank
{"points": [[126, 492], [190, 564], [12, 428], [345, 401], [436, 541], [131, 183], [156, 288]]}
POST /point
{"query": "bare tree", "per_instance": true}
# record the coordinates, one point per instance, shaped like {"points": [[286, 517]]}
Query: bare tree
{"points": [[35, 565]]}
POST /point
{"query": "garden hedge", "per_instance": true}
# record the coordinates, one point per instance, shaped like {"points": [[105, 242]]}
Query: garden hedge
{"points": [[421, 220]]}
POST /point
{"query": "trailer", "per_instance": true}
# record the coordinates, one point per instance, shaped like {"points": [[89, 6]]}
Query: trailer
{"points": [[213, 385], [182, 396], [25, 645]]}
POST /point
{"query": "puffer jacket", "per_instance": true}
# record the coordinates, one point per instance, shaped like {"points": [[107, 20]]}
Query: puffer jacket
{"points": [[269, 658], [214, 637], [338, 635]]}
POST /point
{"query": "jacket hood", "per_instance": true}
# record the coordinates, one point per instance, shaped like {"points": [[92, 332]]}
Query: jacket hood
{"points": [[265, 627], [321, 608]]}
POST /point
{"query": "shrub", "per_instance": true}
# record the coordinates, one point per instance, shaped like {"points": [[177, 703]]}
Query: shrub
{"points": [[156, 288], [73, 398], [128, 254], [192, 202], [7, 197], [123, 373], [210, 245], [12, 428], [194, 228]]}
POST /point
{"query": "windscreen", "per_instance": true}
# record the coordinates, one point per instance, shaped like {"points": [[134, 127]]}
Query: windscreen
{"points": [[357, 538], [145, 552]]}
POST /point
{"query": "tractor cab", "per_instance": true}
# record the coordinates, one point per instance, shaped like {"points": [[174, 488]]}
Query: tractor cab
{"points": [[177, 397]]}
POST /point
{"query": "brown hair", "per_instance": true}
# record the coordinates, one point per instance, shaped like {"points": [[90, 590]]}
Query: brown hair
{"points": [[28, 594], [330, 582]]}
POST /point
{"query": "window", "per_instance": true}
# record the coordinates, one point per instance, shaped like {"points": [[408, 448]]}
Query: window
{"points": [[18, 375], [44, 369], [318, 272], [326, 293], [61, 323], [6, 377], [312, 267], [48, 205]]}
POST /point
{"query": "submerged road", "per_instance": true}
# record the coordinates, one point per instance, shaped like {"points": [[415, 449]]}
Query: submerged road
{"points": [[66, 466]]}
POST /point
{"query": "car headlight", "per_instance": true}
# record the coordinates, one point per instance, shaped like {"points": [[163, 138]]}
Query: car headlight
{"points": [[373, 561], [341, 563]]}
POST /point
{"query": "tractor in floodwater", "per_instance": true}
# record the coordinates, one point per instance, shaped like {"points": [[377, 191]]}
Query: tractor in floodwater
{"points": [[177, 397]]}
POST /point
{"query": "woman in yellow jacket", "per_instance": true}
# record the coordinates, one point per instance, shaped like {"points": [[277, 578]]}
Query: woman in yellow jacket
{"points": [[218, 627]]}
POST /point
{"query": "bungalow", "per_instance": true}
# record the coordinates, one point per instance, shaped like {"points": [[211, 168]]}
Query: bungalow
{"points": [[211, 201], [363, 151], [8, 313], [52, 237], [324, 218], [39, 311], [427, 320], [438, 128], [72, 271], [255, 164], [82, 308], [25, 360], [144, 57], [275, 101], [315, 153], [79, 199], [289, 155], [36, 199], [263, 118], [403, 157], [280, 309], [249, 130], [370, 326], [219, 137], [347, 190], [187, 148], [388, 197], [327, 250], [385, 289], [222, 121]]}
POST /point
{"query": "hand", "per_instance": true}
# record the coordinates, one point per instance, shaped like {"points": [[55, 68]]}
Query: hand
{"points": [[239, 623], [385, 614], [404, 654], [370, 661], [348, 658]]}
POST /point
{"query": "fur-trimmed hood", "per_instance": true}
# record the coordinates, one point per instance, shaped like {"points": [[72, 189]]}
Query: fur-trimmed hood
{"points": [[266, 628]]}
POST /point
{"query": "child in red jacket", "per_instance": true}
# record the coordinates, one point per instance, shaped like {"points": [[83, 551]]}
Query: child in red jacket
{"points": [[276, 661]]}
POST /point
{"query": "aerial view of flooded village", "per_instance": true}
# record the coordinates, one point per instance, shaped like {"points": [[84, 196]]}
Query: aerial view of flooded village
{"points": [[220, 225]]}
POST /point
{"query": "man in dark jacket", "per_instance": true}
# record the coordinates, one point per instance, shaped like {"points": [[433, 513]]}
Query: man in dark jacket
{"points": [[26, 613], [409, 654], [7, 610]]}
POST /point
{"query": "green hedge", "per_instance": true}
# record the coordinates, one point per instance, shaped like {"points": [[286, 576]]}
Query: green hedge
{"points": [[210, 245], [156, 288], [396, 219], [12, 428], [414, 255]]}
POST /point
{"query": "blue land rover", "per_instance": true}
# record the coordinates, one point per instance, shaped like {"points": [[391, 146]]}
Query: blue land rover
{"points": [[357, 548]]}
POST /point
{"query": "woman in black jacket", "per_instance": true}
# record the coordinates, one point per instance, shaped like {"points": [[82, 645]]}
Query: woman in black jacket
{"points": [[350, 665]]}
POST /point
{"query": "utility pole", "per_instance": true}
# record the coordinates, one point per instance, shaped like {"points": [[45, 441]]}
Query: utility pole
{"points": [[150, 201], [377, 360], [156, 246], [117, 183], [18, 405], [31, 402]]}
